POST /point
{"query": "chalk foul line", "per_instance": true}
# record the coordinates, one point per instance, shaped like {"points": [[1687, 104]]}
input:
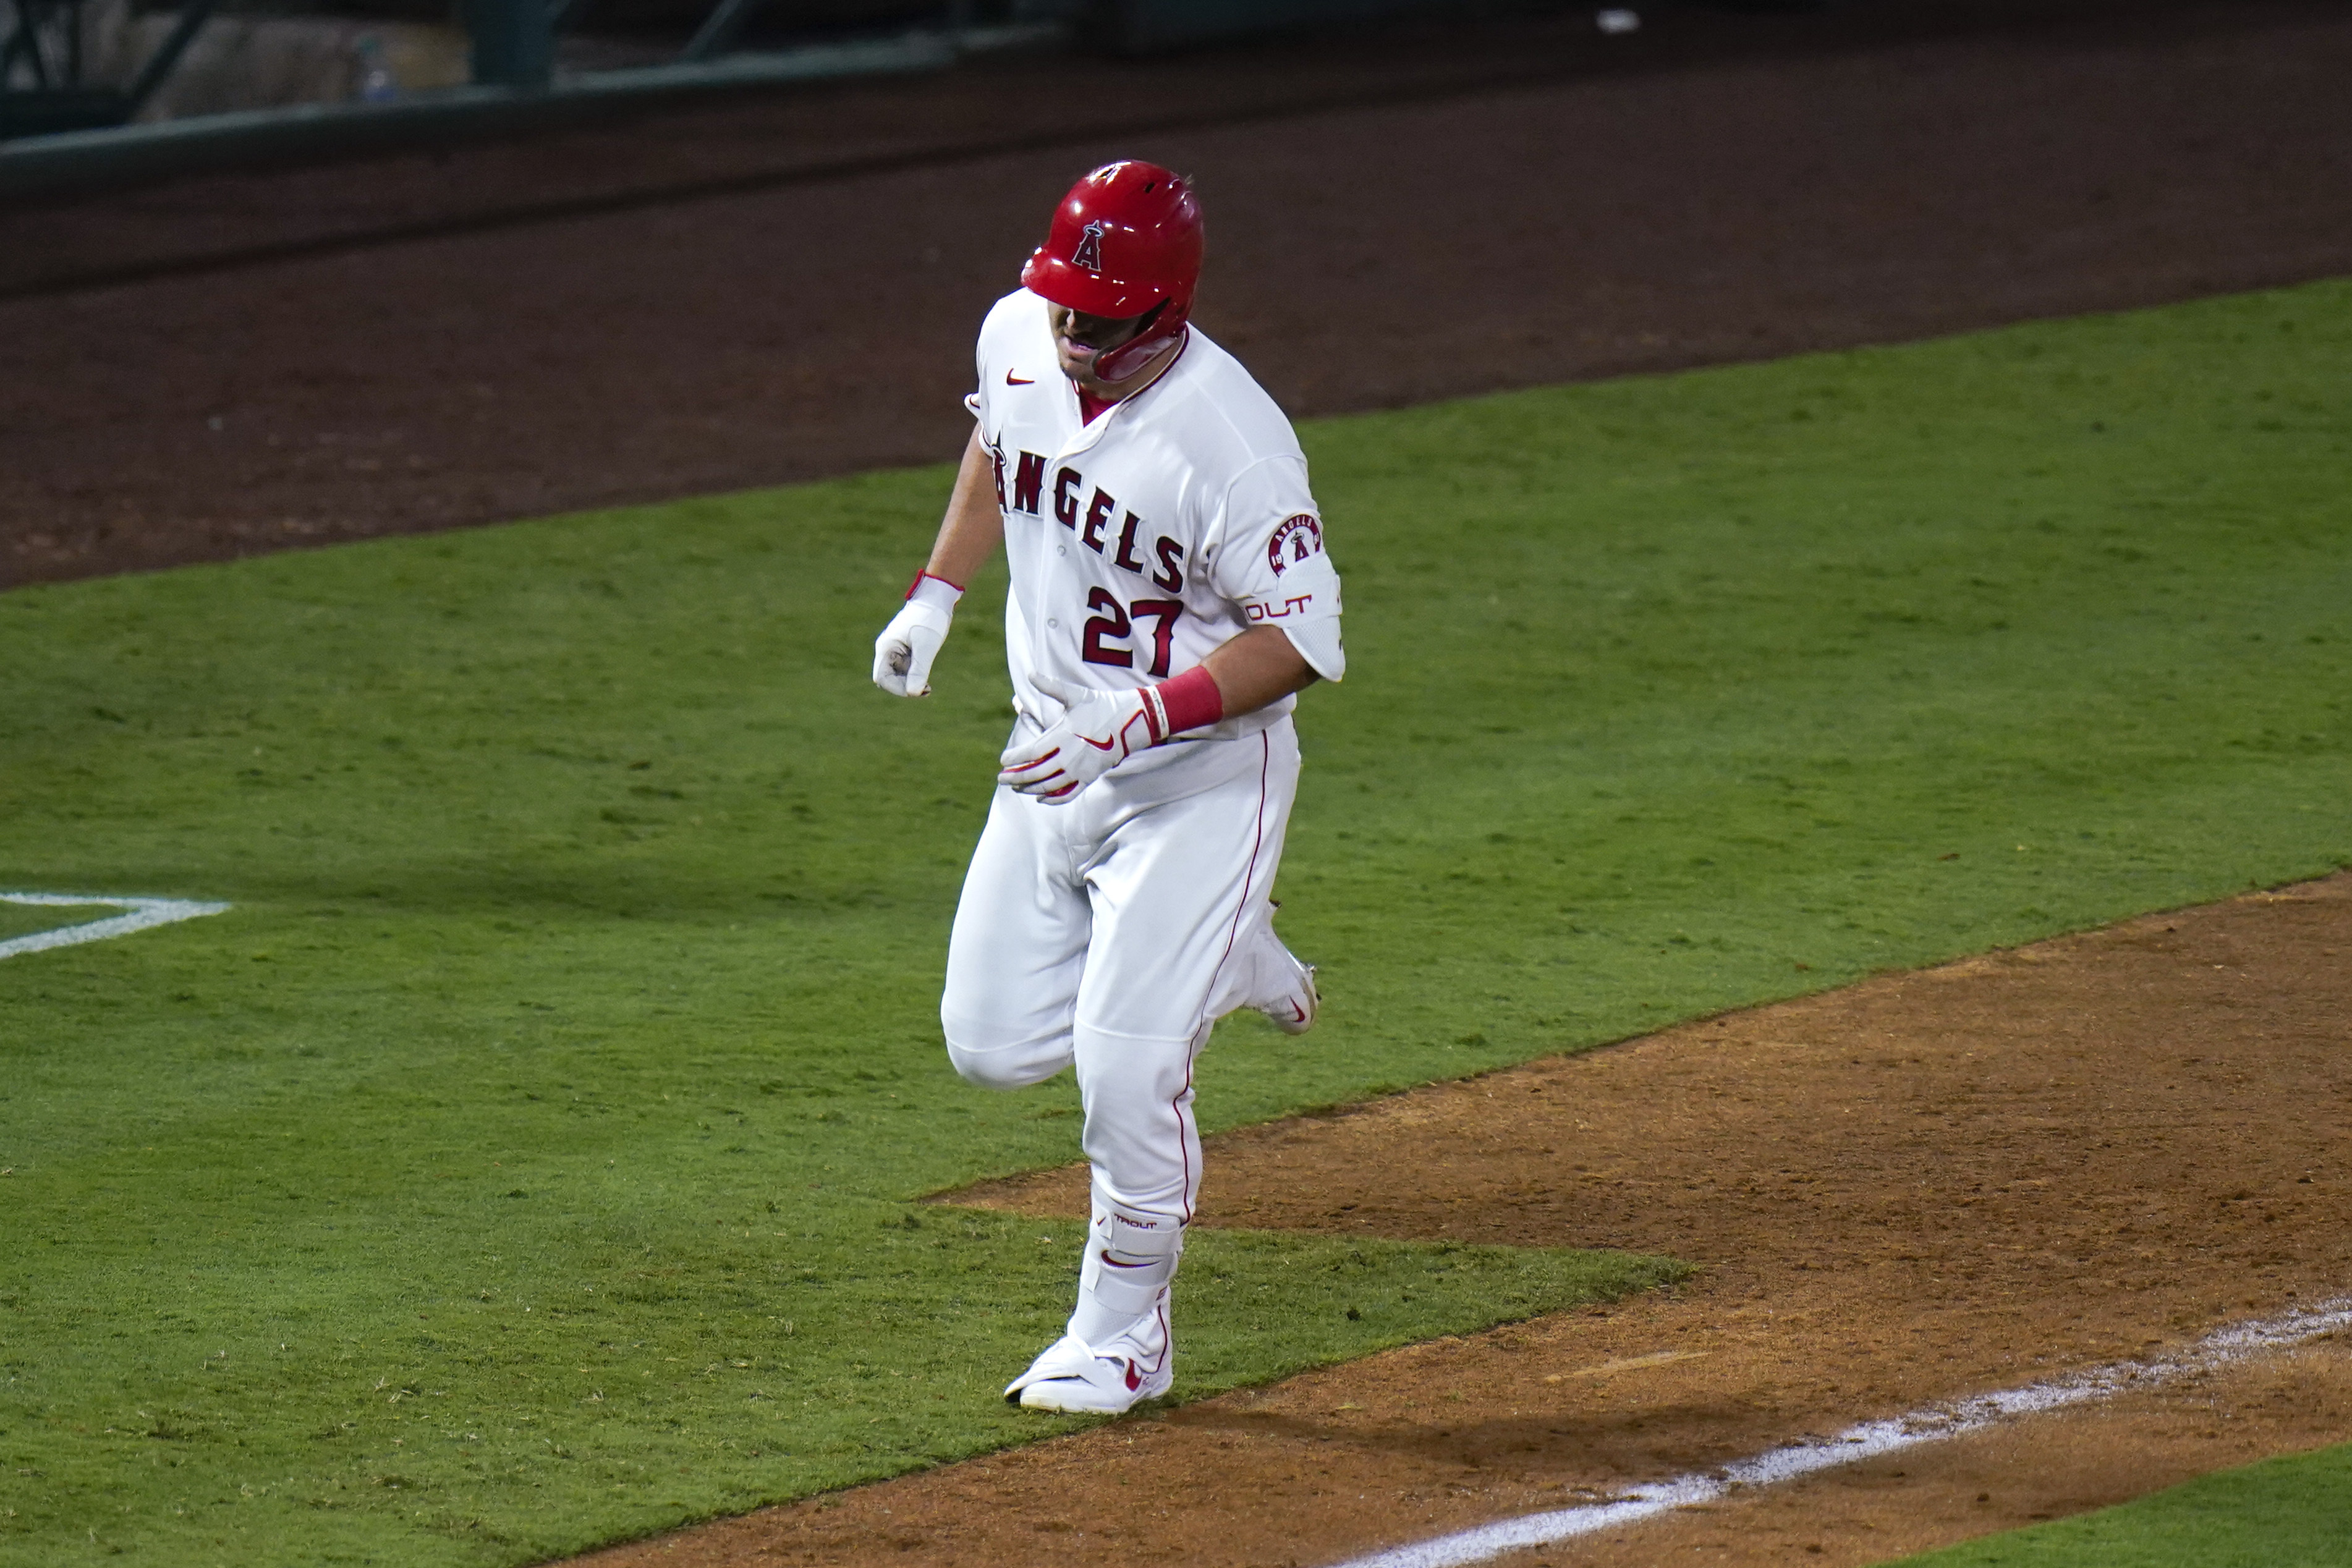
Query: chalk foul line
{"points": [[1932, 1424], [143, 915]]}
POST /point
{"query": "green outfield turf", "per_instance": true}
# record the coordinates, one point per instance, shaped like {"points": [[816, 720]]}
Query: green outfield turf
{"points": [[2290, 1513], [17, 920], [526, 1159]]}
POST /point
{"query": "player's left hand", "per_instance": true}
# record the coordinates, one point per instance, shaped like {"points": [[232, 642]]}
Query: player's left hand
{"points": [[1097, 732], [903, 653]]}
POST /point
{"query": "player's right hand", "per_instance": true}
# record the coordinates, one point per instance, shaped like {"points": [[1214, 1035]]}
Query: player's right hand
{"points": [[1097, 732], [903, 653]]}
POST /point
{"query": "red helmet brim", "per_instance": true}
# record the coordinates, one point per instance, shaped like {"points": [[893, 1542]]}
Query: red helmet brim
{"points": [[1075, 288]]}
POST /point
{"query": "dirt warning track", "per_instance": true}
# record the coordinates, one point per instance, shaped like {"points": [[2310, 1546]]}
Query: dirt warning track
{"points": [[786, 287], [1924, 1187]]}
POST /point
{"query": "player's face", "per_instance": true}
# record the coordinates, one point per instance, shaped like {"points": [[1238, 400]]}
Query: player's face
{"points": [[1080, 339]]}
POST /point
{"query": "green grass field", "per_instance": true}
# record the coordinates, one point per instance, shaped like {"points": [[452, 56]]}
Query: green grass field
{"points": [[525, 1160], [2289, 1512], [15, 920]]}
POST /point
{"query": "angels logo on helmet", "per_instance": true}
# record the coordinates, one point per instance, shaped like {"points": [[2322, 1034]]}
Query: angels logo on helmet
{"points": [[1088, 254]]}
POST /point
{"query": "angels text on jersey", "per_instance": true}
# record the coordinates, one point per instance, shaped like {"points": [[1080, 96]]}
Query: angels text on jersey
{"points": [[1087, 510]]}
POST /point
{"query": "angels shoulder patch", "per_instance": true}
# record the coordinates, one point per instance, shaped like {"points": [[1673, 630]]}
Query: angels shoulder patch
{"points": [[1294, 541]]}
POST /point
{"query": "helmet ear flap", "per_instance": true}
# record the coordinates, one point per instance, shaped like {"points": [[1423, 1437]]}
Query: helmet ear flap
{"points": [[1166, 323]]}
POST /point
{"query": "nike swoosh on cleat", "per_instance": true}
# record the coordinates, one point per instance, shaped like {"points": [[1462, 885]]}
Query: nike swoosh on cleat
{"points": [[1013, 381]]}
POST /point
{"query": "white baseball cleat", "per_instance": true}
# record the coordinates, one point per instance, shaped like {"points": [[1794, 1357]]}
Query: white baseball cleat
{"points": [[1074, 1378], [1296, 1001]]}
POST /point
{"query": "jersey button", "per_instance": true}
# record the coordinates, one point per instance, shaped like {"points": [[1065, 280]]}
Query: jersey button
{"points": [[1054, 624], [1061, 549]]}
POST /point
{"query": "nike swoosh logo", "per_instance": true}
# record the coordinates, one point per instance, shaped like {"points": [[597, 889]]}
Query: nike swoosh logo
{"points": [[1013, 381]]}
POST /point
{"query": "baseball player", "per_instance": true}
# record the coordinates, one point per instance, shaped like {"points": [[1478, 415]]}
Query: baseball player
{"points": [[1170, 594]]}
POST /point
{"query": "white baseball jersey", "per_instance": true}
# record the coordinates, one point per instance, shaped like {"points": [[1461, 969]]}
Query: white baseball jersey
{"points": [[1139, 543]]}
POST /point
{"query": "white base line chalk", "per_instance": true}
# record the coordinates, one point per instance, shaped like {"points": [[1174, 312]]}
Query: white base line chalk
{"points": [[1872, 1439], [144, 914]]}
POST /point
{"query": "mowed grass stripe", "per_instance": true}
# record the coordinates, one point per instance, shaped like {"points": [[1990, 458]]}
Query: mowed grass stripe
{"points": [[573, 1030]]}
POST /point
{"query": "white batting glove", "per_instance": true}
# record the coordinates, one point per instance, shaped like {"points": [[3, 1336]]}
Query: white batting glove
{"points": [[903, 653], [1097, 732]]}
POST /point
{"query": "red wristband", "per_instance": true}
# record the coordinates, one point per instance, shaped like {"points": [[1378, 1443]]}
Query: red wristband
{"points": [[1190, 700], [933, 576]]}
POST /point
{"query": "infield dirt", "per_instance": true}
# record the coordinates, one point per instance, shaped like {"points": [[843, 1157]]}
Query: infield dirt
{"points": [[1926, 1185]]}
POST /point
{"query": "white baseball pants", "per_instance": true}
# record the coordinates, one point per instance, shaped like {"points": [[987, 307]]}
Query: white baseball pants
{"points": [[1111, 933]]}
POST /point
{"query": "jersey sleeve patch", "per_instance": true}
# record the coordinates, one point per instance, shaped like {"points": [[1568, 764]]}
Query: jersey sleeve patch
{"points": [[1293, 540], [1272, 564], [1296, 582]]}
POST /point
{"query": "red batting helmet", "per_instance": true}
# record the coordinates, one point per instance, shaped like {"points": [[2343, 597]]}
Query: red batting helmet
{"points": [[1126, 240]]}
